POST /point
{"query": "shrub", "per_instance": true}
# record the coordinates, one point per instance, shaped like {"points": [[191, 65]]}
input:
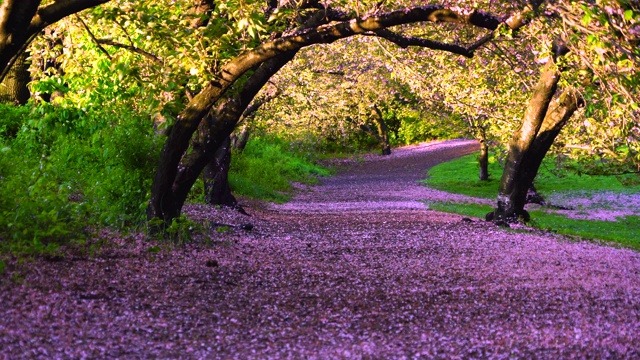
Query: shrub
{"points": [[267, 166], [67, 170]]}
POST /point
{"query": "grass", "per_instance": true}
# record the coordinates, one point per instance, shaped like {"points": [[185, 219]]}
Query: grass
{"points": [[460, 176], [266, 168]]}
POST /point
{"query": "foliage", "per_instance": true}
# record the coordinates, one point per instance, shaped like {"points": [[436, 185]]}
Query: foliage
{"points": [[179, 232], [68, 170], [90, 153], [327, 98], [267, 166], [12, 118]]}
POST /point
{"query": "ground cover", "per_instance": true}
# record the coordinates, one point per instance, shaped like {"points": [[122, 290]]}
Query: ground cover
{"points": [[591, 207], [353, 267]]}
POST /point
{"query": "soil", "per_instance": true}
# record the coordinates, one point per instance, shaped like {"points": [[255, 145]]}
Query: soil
{"points": [[355, 267]]}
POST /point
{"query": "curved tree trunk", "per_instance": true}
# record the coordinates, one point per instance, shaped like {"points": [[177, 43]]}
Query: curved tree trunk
{"points": [[173, 183], [543, 121], [13, 88], [22, 20]]}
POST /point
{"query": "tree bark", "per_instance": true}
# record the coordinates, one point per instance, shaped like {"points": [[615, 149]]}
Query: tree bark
{"points": [[383, 131], [202, 10], [22, 20], [14, 87], [216, 177], [170, 191], [483, 160], [543, 121], [239, 141]]}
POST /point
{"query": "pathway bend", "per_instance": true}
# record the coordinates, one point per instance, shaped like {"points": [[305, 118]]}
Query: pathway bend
{"points": [[354, 268], [382, 182]]}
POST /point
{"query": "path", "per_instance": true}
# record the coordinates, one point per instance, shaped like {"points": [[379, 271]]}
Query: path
{"points": [[383, 182], [355, 268]]}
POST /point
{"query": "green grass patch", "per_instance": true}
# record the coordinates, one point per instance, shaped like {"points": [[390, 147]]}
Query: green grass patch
{"points": [[266, 168], [471, 210], [460, 176], [624, 232]]}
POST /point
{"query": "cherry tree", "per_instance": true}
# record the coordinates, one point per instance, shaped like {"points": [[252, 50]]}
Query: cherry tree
{"points": [[178, 170]]}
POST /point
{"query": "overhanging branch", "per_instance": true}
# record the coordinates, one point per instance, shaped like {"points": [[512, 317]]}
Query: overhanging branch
{"points": [[406, 41], [60, 9], [93, 37]]}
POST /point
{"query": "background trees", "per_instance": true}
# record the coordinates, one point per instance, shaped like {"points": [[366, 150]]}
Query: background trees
{"points": [[128, 73]]}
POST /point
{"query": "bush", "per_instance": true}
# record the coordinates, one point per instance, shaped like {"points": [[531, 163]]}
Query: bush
{"points": [[68, 169], [11, 120], [267, 166]]}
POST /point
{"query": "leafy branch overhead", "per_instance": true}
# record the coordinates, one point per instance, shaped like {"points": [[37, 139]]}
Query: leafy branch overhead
{"points": [[22, 20], [176, 174]]}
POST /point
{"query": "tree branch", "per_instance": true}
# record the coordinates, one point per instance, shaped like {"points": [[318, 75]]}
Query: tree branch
{"points": [[265, 56], [93, 37], [131, 48], [406, 41], [60, 9]]}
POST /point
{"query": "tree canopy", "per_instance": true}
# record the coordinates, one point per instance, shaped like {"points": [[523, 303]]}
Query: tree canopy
{"points": [[191, 68]]}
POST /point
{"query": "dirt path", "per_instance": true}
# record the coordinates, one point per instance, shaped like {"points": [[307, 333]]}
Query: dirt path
{"points": [[354, 268]]}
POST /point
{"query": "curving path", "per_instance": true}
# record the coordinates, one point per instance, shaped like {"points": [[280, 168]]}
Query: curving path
{"points": [[353, 268]]}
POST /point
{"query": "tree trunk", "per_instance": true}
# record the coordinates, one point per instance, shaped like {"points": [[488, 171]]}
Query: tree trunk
{"points": [[173, 182], [239, 141], [542, 122], [216, 178], [483, 160], [217, 190], [383, 131], [14, 86]]}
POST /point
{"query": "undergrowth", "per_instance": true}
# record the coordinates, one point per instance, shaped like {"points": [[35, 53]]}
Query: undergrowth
{"points": [[65, 171], [266, 168]]}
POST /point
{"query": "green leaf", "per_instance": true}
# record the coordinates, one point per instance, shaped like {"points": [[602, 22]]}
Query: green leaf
{"points": [[628, 15]]}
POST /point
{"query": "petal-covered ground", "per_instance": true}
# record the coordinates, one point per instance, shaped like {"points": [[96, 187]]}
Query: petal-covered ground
{"points": [[356, 267]]}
